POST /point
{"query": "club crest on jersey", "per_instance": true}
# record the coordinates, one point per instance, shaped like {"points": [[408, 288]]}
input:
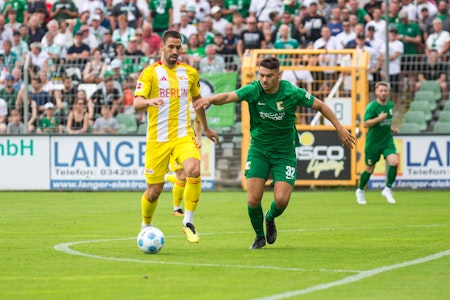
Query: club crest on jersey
{"points": [[139, 86], [183, 78], [390, 112], [280, 105]]}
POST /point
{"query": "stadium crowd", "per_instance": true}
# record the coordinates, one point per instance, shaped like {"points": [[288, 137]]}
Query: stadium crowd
{"points": [[86, 55]]}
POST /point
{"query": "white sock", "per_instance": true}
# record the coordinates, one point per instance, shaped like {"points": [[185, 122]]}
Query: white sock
{"points": [[188, 217], [176, 208]]}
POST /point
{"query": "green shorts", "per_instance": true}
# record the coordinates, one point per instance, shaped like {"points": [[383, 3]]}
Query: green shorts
{"points": [[259, 165], [372, 157]]}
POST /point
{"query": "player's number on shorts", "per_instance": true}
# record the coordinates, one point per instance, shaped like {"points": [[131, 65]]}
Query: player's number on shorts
{"points": [[290, 172]]}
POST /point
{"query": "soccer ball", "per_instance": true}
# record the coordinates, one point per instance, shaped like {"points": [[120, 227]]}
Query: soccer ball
{"points": [[150, 240]]}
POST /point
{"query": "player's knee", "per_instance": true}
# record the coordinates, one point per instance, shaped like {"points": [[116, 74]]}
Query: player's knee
{"points": [[153, 193]]}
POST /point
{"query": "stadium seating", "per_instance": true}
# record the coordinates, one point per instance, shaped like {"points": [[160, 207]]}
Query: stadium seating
{"points": [[441, 127], [128, 120], [431, 85], [444, 116], [409, 128], [417, 117], [427, 96], [142, 129], [446, 106], [122, 128], [421, 106]]}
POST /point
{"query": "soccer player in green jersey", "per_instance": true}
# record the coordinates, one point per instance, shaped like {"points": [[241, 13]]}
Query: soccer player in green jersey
{"points": [[272, 104], [379, 140]]}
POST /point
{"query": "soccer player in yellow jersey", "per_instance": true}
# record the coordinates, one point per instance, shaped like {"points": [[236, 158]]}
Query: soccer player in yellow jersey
{"points": [[163, 89]]}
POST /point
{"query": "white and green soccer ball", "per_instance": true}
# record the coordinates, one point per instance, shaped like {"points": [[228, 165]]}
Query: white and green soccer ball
{"points": [[150, 240]]}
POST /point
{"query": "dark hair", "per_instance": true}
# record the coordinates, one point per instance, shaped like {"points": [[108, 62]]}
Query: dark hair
{"points": [[170, 34], [271, 63]]}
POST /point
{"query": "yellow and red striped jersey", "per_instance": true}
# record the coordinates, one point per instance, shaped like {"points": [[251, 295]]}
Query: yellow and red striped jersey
{"points": [[175, 86]]}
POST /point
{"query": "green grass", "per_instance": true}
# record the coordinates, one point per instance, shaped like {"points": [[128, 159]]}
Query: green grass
{"points": [[323, 237]]}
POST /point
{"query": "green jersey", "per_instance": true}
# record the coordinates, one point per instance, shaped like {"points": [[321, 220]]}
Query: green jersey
{"points": [[49, 125], [272, 116], [160, 13], [20, 6], [412, 30], [379, 135]]}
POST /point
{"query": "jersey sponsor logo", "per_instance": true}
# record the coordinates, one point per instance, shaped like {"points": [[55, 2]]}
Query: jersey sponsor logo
{"points": [[307, 95], [149, 171], [139, 86], [280, 105], [273, 116], [261, 103], [247, 165], [173, 93]]}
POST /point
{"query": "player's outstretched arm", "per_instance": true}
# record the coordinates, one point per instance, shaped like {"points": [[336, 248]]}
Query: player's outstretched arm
{"points": [[211, 134], [219, 99], [344, 135], [140, 103]]}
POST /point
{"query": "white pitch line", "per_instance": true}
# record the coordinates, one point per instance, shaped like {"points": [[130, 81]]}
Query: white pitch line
{"points": [[65, 247], [357, 277]]}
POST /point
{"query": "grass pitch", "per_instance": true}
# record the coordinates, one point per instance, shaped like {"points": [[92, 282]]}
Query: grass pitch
{"points": [[60, 245]]}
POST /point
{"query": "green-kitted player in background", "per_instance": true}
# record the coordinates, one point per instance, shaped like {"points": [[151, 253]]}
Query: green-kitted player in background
{"points": [[272, 103], [379, 140]]}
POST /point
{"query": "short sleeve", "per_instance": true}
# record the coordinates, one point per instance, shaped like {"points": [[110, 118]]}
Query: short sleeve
{"points": [[248, 92], [195, 88], [144, 84]]}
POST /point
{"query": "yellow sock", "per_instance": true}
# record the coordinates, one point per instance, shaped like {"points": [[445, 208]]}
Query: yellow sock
{"points": [[177, 192], [192, 193], [171, 178], [148, 208]]}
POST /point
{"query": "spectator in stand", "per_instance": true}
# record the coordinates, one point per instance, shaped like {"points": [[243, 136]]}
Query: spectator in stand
{"points": [[48, 123], [186, 29], [34, 5], [294, 33], [363, 16], [377, 59], [115, 74], [19, 47], [104, 22], [32, 109], [238, 23], [19, 6], [23, 29], [94, 70], [141, 45], [212, 63], [39, 58], [68, 93], [18, 81], [15, 126], [10, 58], [63, 10], [396, 50], [228, 9], [312, 24], [38, 94], [346, 35], [292, 7], [91, 6], [89, 38], [410, 9], [11, 18], [66, 31], [261, 9], [131, 65], [128, 9], [5, 33], [252, 38], [97, 30], [431, 8], [439, 40], [393, 10], [433, 70], [160, 15], [218, 22], [58, 38], [324, 9], [226, 53], [191, 15], [77, 57], [78, 119], [378, 24], [8, 94], [443, 14], [285, 41], [47, 86], [123, 32], [335, 22], [108, 47], [3, 116], [230, 40], [202, 8], [426, 25], [151, 38], [35, 31], [359, 28], [410, 35], [371, 5], [53, 50], [106, 123], [106, 95], [327, 42], [195, 52]]}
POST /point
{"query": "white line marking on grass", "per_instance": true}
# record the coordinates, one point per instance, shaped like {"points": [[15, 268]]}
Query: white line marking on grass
{"points": [[357, 277], [65, 247]]}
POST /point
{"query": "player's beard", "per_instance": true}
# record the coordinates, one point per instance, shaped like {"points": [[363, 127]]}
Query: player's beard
{"points": [[172, 59]]}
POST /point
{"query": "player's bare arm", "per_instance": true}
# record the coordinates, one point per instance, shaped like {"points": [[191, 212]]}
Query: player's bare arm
{"points": [[140, 103], [346, 138], [371, 122], [210, 134], [219, 99]]}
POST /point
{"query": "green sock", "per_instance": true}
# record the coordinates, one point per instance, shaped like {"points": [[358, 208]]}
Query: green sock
{"points": [[365, 176], [257, 219], [392, 173], [273, 212]]}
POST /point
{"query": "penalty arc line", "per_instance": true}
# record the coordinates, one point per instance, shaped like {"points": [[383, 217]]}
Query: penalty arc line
{"points": [[357, 277]]}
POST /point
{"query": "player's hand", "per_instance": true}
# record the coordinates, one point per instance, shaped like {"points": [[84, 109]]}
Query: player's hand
{"points": [[346, 138], [200, 103], [394, 130], [382, 116], [212, 135], [155, 102]]}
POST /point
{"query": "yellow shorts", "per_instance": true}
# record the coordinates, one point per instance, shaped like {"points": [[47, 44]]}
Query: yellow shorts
{"points": [[174, 165], [158, 155]]}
